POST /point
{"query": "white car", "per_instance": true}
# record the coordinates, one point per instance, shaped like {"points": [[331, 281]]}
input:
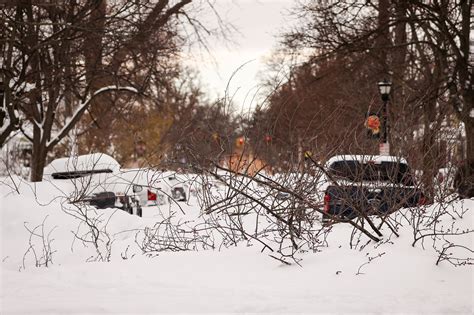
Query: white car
{"points": [[158, 187], [94, 178], [98, 179]]}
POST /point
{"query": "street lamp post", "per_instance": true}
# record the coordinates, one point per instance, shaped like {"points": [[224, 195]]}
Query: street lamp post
{"points": [[2, 94], [384, 89]]}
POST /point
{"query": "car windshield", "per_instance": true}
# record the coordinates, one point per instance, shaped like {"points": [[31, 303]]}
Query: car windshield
{"points": [[394, 172]]}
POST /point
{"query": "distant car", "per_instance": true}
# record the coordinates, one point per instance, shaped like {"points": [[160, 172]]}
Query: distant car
{"points": [[358, 185]]}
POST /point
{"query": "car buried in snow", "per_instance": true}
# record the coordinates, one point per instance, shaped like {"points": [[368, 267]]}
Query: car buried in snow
{"points": [[159, 187], [354, 186], [98, 180]]}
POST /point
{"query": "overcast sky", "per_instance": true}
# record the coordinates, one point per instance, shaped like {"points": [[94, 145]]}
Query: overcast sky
{"points": [[258, 23]]}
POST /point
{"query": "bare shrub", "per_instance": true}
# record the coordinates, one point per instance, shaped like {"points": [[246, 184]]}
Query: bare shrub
{"points": [[171, 236], [92, 229], [39, 245]]}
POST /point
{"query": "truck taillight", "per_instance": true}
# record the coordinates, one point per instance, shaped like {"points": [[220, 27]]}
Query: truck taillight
{"points": [[151, 196], [422, 200], [327, 199]]}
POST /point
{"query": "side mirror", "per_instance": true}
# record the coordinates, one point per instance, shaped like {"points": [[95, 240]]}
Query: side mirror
{"points": [[137, 188]]}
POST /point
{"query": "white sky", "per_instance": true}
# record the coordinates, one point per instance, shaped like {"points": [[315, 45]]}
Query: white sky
{"points": [[258, 22]]}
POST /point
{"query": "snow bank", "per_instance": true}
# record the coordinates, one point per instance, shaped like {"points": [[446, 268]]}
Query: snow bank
{"points": [[387, 277]]}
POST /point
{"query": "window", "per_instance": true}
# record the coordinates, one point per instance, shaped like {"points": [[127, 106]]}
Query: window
{"points": [[394, 172], [77, 174]]}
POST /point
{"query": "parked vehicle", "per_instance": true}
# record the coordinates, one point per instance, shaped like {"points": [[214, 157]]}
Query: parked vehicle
{"points": [[159, 187], [360, 185], [100, 181], [94, 179], [108, 199]]}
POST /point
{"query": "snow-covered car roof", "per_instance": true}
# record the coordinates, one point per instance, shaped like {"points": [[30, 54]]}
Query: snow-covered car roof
{"points": [[88, 163], [366, 158]]}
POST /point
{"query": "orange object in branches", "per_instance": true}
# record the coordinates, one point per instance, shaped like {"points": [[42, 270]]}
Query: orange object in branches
{"points": [[240, 142], [373, 124]]}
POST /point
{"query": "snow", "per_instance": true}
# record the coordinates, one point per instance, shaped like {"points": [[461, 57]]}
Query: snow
{"points": [[366, 158], [239, 279], [87, 162]]}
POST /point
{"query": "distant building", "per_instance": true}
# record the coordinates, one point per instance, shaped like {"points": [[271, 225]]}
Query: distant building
{"points": [[15, 156]]}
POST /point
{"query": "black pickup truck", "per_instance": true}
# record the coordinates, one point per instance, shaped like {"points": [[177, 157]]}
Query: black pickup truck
{"points": [[361, 185]]}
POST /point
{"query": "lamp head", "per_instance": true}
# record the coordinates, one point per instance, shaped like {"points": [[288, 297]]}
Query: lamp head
{"points": [[384, 89]]}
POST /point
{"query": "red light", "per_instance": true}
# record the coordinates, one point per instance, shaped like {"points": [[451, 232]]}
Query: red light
{"points": [[422, 200], [239, 142], [268, 139], [327, 199], [151, 196]]}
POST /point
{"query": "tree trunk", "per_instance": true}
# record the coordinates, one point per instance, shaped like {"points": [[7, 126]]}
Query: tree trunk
{"points": [[300, 153], [469, 126], [38, 160], [466, 77], [429, 162], [40, 150], [383, 40], [396, 113], [429, 147]]}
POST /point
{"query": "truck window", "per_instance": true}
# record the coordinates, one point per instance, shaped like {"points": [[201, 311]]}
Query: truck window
{"points": [[394, 172]]}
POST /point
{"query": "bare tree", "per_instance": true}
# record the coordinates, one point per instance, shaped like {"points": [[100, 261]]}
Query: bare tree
{"points": [[421, 47], [63, 61]]}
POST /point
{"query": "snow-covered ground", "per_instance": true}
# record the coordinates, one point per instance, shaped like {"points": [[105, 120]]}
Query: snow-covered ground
{"points": [[392, 277]]}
